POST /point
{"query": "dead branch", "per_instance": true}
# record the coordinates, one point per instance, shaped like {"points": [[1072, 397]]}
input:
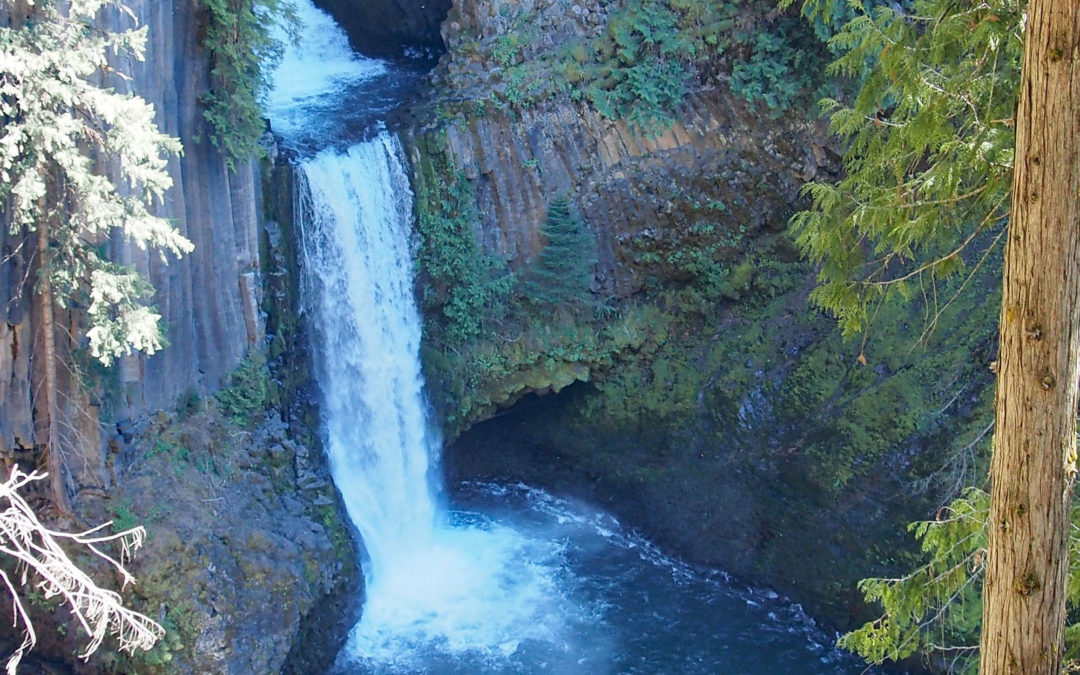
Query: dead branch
{"points": [[37, 549]]}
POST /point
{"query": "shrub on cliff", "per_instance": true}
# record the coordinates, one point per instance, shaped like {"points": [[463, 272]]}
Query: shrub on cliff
{"points": [[467, 287]]}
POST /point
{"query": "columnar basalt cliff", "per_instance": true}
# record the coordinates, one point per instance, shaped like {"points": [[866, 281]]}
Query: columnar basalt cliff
{"points": [[628, 186], [626, 183], [249, 562], [209, 300], [710, 404], [696, 202]]}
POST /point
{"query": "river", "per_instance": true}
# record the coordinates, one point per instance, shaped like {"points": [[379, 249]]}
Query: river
{"points": [[504, 578]]}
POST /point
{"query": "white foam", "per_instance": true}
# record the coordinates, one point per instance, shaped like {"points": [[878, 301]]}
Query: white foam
{"points": [[480, 591]]}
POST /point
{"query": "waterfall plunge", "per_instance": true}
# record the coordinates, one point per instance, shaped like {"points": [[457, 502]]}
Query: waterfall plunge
{"points": [[563, 591], [431, 584], [434, 583], [355, 215], [451, 592]]}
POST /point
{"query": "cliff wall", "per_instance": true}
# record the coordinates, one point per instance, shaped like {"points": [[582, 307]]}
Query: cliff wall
{"points": [[683, 214], [249, 563], [209, 300], [696, 393], [626, 185]]}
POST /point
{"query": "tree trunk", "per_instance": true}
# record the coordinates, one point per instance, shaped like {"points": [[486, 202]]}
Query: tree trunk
{"points": [[1034, 457], [46, 408]]}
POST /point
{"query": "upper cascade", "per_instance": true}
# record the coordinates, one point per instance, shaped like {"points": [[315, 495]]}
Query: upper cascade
{"points": [[326, 95]]}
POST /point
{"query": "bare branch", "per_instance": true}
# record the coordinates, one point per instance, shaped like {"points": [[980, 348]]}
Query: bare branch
{"points": [[36, 548]]}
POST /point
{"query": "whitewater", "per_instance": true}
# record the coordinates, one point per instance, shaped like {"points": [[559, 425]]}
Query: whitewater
{"points": [[506, 578]]}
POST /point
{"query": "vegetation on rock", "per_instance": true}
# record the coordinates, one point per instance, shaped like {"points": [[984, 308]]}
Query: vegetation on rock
{"points": [[642, 58], [562, 272], [655, 50], [925, 198], [242, 39], [248, 503], [247, 393], [464, 290]]}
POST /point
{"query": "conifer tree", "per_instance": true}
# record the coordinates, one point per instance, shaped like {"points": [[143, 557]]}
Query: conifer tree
{"points": [[562, 272], [925, 189], [936, 161], [57, 127], [78, 162], [1034, 461]]}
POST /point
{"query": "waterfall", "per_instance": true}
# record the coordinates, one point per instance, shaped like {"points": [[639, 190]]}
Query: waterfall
{"points": [[433, 584], [354, 212], [437, 583], [527, 583]]}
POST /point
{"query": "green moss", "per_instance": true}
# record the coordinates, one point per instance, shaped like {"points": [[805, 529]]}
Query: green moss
{"points": [[122, 516], [338, 532], [831, 414]]}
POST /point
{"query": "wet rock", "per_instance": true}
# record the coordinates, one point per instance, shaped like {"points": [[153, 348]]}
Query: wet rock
{"points": [[391, 28]]}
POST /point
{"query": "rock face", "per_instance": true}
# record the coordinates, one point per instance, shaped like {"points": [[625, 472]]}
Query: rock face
{"points": [[209, 300], [627, 185], [391, 28], [249, 561], [690, 204], [702, 398], [244, 549]]}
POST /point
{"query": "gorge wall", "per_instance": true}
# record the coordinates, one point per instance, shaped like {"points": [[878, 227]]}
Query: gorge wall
{"points": [[209, 300], [249, 562], [696, 393]]}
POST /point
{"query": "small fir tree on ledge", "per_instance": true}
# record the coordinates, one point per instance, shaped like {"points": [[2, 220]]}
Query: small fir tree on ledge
{"points": [[562, 272]]}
